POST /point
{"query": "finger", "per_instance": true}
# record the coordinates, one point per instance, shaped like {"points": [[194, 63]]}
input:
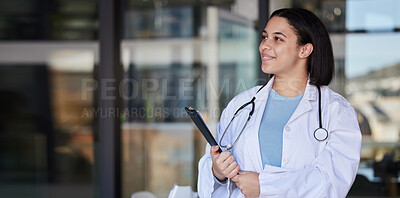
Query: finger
{"points": [[231, 168], [222, 168], [214, 151], [223, 156], [229, 160], [243, 172], [234, 172], [235, 178], [220, 165]]}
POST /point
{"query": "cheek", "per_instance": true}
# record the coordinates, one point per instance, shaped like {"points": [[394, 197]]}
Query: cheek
{"points": [[279, 51], [288, 53]]}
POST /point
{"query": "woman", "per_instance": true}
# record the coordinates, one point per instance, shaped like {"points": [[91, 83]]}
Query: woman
{"points": [[278, 151]]}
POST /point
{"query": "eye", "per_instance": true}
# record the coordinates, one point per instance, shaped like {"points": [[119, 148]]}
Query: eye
{"points": [[278, 39], [264, 37]]}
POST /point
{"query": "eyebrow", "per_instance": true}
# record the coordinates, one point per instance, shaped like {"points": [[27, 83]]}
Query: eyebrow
{"points": [[279, 33]]}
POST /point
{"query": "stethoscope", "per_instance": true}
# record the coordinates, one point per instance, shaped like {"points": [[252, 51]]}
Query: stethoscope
{"points": [[320, 134]]}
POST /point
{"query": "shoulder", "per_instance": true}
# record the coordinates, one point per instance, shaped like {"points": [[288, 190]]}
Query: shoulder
{"points": [[336, 103], [246, 95], [239, 100], [341, 117]]}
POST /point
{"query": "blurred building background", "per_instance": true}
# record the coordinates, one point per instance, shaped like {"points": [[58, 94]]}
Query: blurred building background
{"points": [[174, 53]]}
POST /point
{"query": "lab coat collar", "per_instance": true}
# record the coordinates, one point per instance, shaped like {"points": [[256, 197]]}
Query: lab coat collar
{"points": [[262, 95], [311, 92], [251, 135]]}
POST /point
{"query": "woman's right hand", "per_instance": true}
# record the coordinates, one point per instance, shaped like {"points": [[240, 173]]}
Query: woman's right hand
{"points": [[223, 164]]}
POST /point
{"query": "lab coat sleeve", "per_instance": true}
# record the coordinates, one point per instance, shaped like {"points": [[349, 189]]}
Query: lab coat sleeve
{"points": [[207, 185], [331, 174]]}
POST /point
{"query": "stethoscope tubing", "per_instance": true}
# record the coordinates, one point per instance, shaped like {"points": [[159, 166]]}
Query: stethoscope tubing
{"points": [[320, 134]]}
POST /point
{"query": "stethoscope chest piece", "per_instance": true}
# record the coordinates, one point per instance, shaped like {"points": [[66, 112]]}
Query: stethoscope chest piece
{"points": [[320, 134]]}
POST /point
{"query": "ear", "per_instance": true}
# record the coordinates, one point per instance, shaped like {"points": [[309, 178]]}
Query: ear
{"points": [[306, 50]]}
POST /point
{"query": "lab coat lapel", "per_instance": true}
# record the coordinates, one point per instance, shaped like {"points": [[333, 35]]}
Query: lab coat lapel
{"points": [[252, 144], [305, 104]]}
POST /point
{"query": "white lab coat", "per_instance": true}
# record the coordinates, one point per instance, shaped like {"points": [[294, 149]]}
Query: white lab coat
{"points": [[309, 168]]}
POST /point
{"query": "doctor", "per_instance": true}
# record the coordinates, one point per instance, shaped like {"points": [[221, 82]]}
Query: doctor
{"points": [[293, 137]]}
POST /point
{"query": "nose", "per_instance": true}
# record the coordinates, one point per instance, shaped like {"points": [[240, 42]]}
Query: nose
{"points": [[265, 44]]}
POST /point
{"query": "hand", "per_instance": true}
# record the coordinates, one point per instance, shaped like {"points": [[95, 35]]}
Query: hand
{"points": [[248, 183], [223, 164]]}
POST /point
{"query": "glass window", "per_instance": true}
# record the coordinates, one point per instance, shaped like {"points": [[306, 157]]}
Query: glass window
{"points": [[372, 15], [373, 89], [179, 54], [46, 97], [46, 122], [52, 20]]}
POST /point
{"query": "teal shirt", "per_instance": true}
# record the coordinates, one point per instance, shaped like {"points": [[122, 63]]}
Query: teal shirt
{"points": [[277, 113]]}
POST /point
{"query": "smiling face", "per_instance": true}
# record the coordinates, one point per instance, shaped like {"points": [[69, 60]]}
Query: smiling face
{"points": [[280, 53]]}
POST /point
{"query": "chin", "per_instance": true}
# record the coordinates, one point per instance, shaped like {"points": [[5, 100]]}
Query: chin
{"points": [[266, 69]]}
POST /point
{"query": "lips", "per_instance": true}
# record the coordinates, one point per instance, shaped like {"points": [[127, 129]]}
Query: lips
{"points": [[266, 57]]}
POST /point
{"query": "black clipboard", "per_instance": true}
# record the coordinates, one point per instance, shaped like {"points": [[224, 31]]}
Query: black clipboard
{"points": [[201, 125]]}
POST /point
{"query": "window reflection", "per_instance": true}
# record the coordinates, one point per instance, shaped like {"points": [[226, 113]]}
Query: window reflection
{"points": [[373, 15], [46, 138], [177, 56], [373, 87], [53, 20], [374, 82], [159, 22]]}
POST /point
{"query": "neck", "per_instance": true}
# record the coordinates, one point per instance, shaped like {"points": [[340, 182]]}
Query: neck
{"points": [[290, 87]]}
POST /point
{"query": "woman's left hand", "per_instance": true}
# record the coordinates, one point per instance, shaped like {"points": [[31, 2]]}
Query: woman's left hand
{"points": [[248, 183]]}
